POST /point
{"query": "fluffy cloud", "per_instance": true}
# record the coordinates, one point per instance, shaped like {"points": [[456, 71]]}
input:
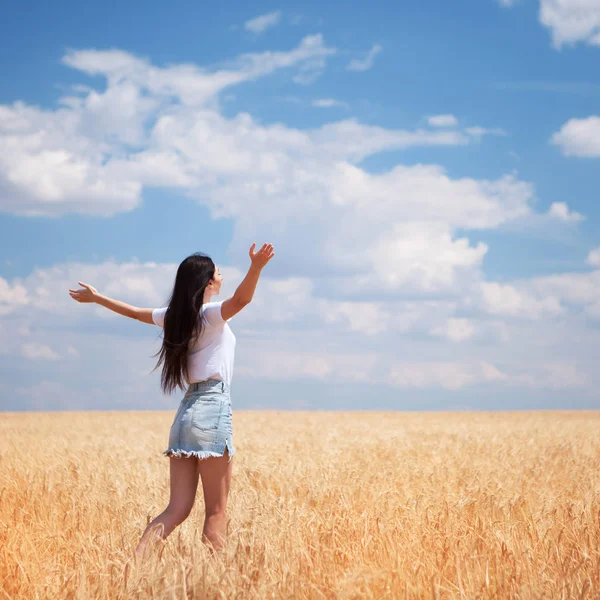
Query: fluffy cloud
{"points": [[545, 297], [579, 137], [289, 317], [262, 23], [388, 269], [11, 296], [442, 121], [458, 376], [422, 256], [289, 365], [561, 212], [456, 330], [478, 132], [580, 290], [156, 126], [364, 64], [508, 300], [571, 21], [329, 103], [189, 84], [593, 258], [34, 351], [96, 153]]}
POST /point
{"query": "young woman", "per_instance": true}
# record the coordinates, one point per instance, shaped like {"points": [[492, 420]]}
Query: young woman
{"points": [[197, 356]]}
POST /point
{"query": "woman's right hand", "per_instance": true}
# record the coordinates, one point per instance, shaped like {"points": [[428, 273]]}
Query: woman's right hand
{"points": [[87, 294], [263, 256]]}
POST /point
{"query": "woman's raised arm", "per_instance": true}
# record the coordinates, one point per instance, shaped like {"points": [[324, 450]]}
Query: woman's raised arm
{"points": [[89, 294]]}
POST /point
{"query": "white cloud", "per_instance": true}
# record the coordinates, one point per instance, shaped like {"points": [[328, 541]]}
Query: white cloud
{"points": [[286, 365], [561, 212], [49, 395], [312, 68], [33, 350], [579, 137], [12, 296], [478, 132], [373, 319], [491, 372], [422, 255], [309, 72], [448, 375], [175, 151], [593, 258], [282, 301], [368, 318], [571, 21], [425, 196], [146, 284], [386, 255], [329, 103], [366, 63], [368, 341], [96, 153], [273, 180], [262, 23], [191, 85], [507, 300], [442, 121], [252, 171], [456, 330], [578, 289], [546, 298], [457, 376]]}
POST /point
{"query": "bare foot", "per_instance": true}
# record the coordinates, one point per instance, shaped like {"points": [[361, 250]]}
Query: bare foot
{"points": [[151, 541]]}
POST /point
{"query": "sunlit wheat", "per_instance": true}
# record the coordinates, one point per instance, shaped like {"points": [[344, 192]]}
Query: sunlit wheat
{"points": [[322, 505]]}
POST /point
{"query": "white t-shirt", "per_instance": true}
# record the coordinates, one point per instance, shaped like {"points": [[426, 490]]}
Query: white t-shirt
{"points": [[211, 356]]}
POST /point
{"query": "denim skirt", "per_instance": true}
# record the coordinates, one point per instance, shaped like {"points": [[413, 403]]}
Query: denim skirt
{"points": [[203, 424]]}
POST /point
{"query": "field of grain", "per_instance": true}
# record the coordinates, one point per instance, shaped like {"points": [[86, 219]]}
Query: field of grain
{"points": [[322, 505]]}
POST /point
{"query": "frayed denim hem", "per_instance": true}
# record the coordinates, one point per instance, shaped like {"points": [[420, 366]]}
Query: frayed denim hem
{"points": [[200, 454]]}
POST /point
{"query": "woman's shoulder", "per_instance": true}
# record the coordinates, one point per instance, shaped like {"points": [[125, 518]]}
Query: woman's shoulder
{"points": [[212, 313]]}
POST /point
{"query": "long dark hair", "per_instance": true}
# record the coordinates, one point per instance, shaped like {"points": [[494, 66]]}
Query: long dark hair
{"points": [[182, 320]]}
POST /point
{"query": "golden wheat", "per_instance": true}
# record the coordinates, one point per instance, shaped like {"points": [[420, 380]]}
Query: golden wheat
{"points": [[322, 505]]}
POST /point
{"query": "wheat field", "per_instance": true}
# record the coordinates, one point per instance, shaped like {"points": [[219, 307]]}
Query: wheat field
{"points": [[322, 505]]}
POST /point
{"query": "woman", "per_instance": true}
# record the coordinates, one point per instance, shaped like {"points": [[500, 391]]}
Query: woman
{"points": [[196, 355]]}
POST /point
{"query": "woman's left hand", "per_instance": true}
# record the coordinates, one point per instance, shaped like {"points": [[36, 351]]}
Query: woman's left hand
{"points": [[87, 294]]}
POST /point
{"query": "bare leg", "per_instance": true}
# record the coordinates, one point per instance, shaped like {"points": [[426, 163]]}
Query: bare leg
{"points": [[184, 483], [216, 480]]}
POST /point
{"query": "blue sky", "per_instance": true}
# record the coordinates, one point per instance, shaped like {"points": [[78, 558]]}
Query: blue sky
{"points": [[428, 173]]}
